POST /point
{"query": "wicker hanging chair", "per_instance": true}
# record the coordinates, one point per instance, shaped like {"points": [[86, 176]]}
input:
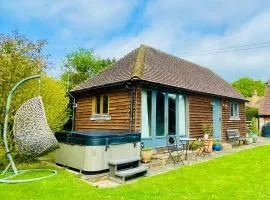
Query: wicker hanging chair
{"points": [[32, 133]]}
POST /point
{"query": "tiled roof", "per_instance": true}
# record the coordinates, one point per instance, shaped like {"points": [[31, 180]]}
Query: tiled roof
{"points": [[152, 65], [265, 104]]}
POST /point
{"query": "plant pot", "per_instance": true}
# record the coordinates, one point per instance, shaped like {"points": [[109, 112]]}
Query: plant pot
{"points": [[254, 139], [198, 151], [248, 141], [216, 147], [146, 155], [208, 144]]}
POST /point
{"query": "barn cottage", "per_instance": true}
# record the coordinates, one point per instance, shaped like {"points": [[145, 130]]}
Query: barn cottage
{"points": [[264, 109], [156, 94]]}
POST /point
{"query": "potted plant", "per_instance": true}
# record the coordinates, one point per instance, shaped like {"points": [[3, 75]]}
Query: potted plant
{"points": [[146, 154], [195, 146], [253, 130], [248, 140], [207, 129], [217, 146]]}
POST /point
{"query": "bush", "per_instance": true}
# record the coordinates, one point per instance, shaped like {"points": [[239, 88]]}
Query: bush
{"points": [[251, 112], [253, 126], [195, 145]]}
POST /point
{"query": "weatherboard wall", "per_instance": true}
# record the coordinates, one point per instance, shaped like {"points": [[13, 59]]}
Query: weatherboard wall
{"points": [[119, 109], [200, 110], [233, 124]]}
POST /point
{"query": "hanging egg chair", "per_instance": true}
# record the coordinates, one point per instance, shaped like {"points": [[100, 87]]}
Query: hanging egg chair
{"points": [[31, 134]]}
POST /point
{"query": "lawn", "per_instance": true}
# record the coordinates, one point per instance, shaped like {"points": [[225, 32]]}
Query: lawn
{"points": [[243, 175]]}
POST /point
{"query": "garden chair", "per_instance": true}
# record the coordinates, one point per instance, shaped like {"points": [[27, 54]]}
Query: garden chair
{"points": [[32, 136], [234, 137], [203, 147], [175, 151]]}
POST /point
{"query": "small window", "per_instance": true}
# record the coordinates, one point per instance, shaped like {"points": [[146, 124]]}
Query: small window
{"points": [[97, 105], [234, 111], [101, 104]]}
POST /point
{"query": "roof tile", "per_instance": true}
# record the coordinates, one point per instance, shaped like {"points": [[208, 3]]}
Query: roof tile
{"points": [[149, 64]]}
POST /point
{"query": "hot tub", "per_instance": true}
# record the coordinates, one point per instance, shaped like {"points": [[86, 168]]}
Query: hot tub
{"points": [[266, 130], [90, 151]]}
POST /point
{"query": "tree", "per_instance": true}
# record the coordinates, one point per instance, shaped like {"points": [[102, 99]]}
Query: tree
{"points": [[54, 96], [251, 112], [21, 58], [82, 64], [253, 126], [246, 86]]}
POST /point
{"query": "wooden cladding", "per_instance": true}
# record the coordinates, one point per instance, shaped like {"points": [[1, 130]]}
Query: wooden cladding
{"points": [[233, 124], [137, 114], [119, 110], [200, 111]]}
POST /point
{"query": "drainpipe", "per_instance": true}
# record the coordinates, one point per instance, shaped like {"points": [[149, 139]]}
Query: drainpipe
{"points": [[73, 110], [73, 104], [131, 108]]}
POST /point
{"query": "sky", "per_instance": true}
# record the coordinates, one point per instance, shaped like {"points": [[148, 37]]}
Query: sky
{"points": [[112, 28]]}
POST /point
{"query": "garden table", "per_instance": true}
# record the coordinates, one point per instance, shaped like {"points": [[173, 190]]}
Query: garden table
{"points": [[186, 142]]}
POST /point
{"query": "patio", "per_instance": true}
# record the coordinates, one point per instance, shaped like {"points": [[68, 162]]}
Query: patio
{"points": [[158, 163]]}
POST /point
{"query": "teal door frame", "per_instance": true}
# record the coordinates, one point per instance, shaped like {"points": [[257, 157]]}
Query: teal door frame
{"points": [[160, 141], [216, 118]]}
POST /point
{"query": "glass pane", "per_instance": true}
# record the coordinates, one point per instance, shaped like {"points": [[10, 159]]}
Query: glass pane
{"points": [[149, 110], [97, 104], [182, 116], [237, 110], [160, 114], [172, 113], [105, 104], [231, 109]]}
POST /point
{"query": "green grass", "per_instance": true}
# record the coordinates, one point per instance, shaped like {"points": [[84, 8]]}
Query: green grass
{"points": [[243, 175]]}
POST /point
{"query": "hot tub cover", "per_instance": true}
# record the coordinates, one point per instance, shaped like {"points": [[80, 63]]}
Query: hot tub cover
{"points": [[98, 137]]}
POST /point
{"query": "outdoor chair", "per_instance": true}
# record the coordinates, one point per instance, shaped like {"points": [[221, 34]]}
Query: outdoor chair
{"points": [[234, 137], [203, 148], [175, 151]]}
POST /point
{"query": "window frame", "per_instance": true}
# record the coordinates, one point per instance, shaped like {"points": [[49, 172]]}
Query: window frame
{"points": [[101, 115], [234, 111]]}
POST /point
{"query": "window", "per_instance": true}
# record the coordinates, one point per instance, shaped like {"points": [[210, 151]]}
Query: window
{"points": [[146, 102], [172, 114], [105, 104], [100, 107], [97, 106], [234, 111], [160, 114]]}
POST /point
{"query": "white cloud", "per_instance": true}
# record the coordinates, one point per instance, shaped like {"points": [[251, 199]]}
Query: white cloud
{"points": [[95, 15], [174, 26], [169, 32]]}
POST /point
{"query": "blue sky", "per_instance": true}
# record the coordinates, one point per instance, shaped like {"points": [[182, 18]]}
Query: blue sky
{"points": [[113, 28]]}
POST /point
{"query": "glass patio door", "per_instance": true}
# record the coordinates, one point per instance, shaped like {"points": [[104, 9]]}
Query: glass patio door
{"points": [[162, 114], [172, 114]]}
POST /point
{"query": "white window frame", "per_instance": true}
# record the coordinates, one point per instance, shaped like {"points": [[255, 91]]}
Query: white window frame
{"points": [[234, 111]]}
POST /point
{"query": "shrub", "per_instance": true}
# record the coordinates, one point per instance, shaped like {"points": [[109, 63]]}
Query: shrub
{"points": [[207, 128], [253, 126], [195, 145], [251, 112]]}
